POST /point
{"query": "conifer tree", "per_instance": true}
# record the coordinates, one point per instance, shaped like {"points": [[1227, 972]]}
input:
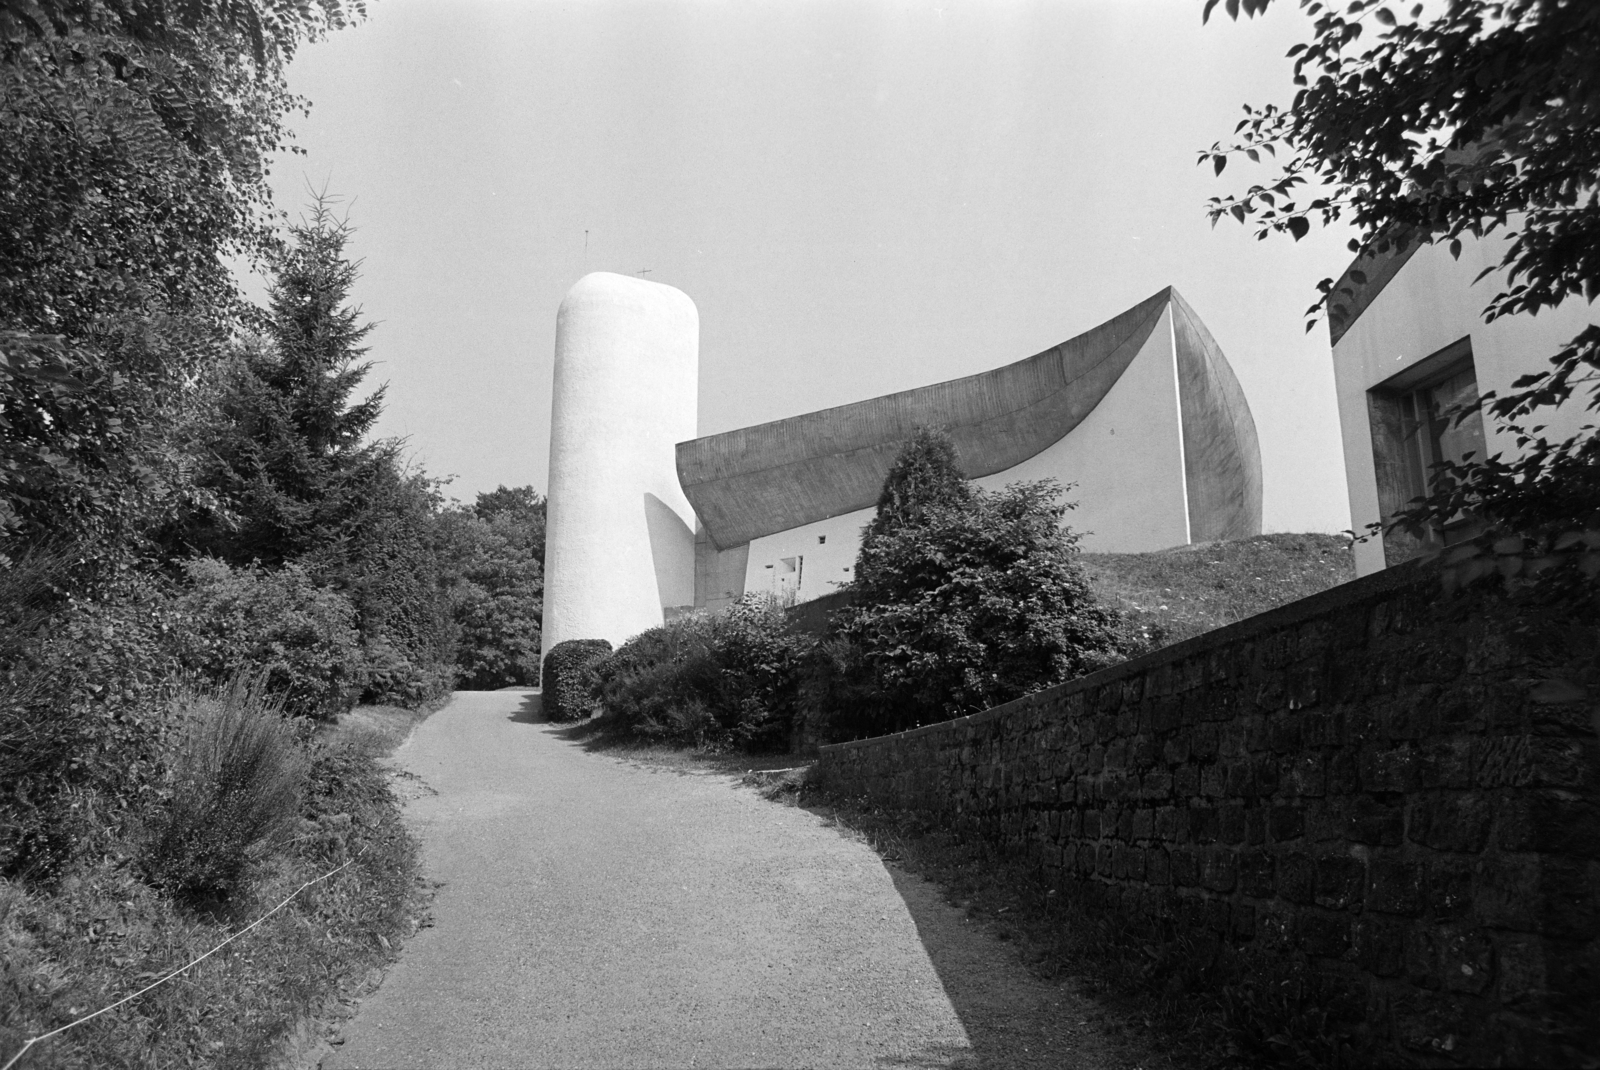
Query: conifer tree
{"points": [[926, 474], [962, 598], [287, 449]]}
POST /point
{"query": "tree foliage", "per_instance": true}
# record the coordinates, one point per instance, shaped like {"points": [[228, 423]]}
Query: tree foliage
{"points": [[926, 475], [135, 139], [495, 561], [964, 598], [1481, 120], [387, 558], [296, 638], [271, 28], [284, 447]]}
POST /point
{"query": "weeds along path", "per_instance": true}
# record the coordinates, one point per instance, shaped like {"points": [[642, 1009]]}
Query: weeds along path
{"points": [[600, 913]]}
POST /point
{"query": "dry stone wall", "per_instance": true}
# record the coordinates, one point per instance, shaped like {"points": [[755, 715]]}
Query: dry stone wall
{"points": [[1363, 782]]}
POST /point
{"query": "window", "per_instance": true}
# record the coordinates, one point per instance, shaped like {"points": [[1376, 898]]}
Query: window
{"points": [[1414, 428], [787, 577]]}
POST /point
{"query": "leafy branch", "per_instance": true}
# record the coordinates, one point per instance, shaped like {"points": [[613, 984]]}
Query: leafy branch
{"points": [[1482, 122]]}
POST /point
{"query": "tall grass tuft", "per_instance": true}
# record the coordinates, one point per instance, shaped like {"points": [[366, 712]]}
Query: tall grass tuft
{"points": [[237, 777]]}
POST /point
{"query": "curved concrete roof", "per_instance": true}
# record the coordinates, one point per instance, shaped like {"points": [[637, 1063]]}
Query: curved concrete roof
{"points": [[768, 478]]}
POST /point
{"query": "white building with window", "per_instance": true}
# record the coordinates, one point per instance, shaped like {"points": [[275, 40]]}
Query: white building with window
{"points": [[1410, 347], [1142, 414]]}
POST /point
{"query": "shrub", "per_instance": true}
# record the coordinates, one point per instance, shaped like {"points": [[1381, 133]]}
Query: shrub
{"points": [[387, 562], [300, 637], [499, 637], [725, 680], [237, 773], [566, 691], [392, 679], [82, 709], [493, 556], [962, 599]]}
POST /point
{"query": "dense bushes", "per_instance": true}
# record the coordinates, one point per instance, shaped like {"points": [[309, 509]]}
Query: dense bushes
{"points": [[962, 599], [566, 686], [81, 717], [967, 605], [718, 681], [86, 686], [495, 559], [298, 637], [387, 561], [79, 945], [188, 495]]}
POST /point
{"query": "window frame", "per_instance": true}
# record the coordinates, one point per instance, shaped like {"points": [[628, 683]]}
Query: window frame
{"points": [[1406, 444]]}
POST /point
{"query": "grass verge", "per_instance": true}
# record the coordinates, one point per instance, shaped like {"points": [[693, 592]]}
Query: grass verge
{"points": [[103, 932]]}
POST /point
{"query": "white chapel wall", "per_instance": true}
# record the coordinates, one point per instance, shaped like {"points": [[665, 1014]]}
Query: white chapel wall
{"points": [[1126, 458]]}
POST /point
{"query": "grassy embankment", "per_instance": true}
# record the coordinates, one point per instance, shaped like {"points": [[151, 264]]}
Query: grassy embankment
{"points": [[103, 933], [1194, 589]]}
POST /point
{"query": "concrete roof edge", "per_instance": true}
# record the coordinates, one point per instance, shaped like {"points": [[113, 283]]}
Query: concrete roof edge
{"points": [[854, 433]]}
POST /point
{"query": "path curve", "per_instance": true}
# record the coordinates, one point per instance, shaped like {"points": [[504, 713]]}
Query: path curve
{"points": [[602, 913]]}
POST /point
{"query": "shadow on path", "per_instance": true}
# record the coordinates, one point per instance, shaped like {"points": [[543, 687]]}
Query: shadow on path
{"points": [[1012, 1019], [531, 711]]}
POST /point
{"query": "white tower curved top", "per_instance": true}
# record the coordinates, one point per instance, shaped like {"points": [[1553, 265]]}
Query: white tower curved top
{"points": [[619, 541]]}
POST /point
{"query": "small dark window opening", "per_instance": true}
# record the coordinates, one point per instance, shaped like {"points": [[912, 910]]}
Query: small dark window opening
{"points": [[1414, 427], [821, 539]]}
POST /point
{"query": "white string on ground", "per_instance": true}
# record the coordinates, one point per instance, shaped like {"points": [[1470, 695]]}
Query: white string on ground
{"points": [[156, 984]]}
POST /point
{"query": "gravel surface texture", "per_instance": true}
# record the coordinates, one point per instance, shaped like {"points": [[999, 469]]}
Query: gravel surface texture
{"points": [[593, 912]]}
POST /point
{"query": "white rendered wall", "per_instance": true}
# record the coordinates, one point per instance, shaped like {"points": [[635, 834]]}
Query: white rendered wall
{"points": [[1431, 303], [619, 540], [828, 563], [1126, 458]]}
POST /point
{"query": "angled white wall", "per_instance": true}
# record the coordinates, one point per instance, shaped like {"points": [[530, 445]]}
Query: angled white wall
{"points": [[1126, 459], [619, 542]]}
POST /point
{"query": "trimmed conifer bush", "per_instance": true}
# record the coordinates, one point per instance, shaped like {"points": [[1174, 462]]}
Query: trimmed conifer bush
{"points": [[566, 695], [962, 599]]}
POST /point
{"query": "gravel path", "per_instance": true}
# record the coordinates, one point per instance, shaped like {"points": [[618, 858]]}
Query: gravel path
{"points": [[602, 913]]}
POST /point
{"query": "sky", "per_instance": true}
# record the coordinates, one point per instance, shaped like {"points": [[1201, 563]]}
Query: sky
{"points": [[860, 197]]}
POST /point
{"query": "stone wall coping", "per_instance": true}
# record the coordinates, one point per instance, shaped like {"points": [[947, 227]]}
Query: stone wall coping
{"points": [[1373, 587]]}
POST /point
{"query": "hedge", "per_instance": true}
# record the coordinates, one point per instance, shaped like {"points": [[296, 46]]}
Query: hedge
{"points": [[566, 697]]}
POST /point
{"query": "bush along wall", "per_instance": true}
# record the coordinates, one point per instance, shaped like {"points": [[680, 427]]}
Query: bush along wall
{"points": [[717, 681], [566, 693], [1380, 788]]}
